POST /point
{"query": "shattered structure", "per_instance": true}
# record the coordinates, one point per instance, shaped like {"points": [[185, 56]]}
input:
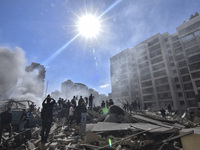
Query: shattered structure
{"points": [[116, 130]]}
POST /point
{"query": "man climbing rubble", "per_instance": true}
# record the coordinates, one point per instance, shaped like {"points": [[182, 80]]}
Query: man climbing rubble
{"points": [[47, 117]]}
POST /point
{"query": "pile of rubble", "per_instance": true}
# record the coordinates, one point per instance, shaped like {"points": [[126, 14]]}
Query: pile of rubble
{"points": [[116, 130]]}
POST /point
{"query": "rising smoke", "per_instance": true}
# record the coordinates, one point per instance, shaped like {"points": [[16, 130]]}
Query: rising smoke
{"points": [[16, 82]]}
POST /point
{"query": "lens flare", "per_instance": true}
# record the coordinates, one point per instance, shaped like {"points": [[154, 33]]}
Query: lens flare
{"points": [[110, 143], [89, 26]]}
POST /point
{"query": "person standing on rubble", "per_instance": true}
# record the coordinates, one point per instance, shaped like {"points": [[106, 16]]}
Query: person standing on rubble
{"points": [[22, 120], [83, 111], [6, 118], [78, 110], [91, 97], [71, 114], [47, 117]]}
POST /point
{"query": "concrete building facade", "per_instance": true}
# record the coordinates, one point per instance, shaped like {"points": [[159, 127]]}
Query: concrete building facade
{"points": [[162, 70]]}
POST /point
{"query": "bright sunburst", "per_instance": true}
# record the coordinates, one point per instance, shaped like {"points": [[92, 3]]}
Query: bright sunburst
{"points": [[89, 26]]}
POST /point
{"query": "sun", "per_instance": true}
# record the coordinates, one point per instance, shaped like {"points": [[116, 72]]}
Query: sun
{"points": [[89, 26]]}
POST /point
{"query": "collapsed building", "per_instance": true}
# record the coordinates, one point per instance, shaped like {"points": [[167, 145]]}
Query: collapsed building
{"points": [[114, 130]]}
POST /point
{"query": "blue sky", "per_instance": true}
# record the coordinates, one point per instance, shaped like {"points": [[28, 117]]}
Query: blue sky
{"points": [[41, 27]]}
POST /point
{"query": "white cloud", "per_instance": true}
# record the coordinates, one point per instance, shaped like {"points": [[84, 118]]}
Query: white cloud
{"points": [[105, 86]]}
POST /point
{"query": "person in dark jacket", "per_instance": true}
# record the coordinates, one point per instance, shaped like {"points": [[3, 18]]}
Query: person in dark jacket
{"points": [[47, 117], [78, 110], [91, 97], [6, 118], [83, 110]]}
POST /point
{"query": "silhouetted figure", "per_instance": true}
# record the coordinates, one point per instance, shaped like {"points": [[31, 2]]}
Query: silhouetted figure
{"points": [[91, 97], [6, 118], [163, 112], [169, 108], [83, 110], [73, 101], [110, 103], [22, 120], [47, 117], [103, 104], [78, 110], [145, 107], [138, 105]]}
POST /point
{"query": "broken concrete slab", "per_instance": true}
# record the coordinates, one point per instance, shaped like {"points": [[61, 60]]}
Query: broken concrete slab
{"points": [[191, 142]]}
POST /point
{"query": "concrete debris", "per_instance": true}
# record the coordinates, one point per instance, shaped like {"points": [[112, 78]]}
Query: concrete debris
{"points": [[115, 130]]}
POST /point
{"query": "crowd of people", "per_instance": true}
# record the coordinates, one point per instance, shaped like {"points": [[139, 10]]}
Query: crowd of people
{"points": [[75, 112]]}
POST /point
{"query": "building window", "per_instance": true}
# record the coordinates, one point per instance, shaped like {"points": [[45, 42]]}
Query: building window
{"points": [[176, 44], [167, 45], [145, 77], [188, 86], [154, 48], [159, 73], [192, 50], [147, 83], [142, 59], [164, 96], [197, 33], [176, 79], [144, 65], [148, 98], [178, 86], [190, 94], [159, 66], [196, 75], [153, 41], [182, 63], [192, 103], [194, 58], [172, 64], [174, 38], [166, 39], [156, 60], [187, 37], [178, 50], [198, 83], [190, 28], [125, 93], [186, 78], [162, 88], [180, 57], [174, 71], [184, 71], [169, 51], [180, 94], [154, 54], [182, 103], [147, 91], [161, 81], [190, 43]]}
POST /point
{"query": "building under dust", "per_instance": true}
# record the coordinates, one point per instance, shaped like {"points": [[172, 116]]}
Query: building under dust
{"points": [[162, 70]]}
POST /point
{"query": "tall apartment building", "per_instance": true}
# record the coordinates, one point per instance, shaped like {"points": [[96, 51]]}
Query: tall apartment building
{"points": [[162, 70]]}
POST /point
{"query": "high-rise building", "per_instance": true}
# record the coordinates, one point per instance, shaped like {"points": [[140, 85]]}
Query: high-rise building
{"points": [[162, 70]]}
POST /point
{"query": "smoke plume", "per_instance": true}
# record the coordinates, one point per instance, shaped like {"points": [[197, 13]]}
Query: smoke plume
{"points": [[16, 82]]}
